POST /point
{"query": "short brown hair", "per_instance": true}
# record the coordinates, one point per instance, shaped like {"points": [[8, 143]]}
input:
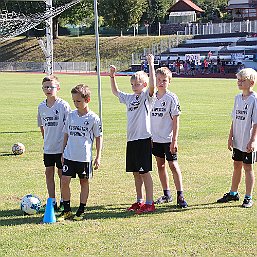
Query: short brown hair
{"points": [[50, 78], [164, 71], [83, 90]]}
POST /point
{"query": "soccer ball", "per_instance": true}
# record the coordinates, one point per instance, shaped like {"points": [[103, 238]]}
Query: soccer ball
{"points": [[30, 204], [18, 148]]}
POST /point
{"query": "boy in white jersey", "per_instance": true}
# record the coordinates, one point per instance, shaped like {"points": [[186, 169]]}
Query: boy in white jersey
{"points": [[165, 126], [242, 137], [139, 154], [81, 127], [52, 113]]}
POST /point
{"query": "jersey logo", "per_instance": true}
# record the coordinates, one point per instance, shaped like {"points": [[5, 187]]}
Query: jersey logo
{"points": [[65, 168], [163, 103], [141, 169]]}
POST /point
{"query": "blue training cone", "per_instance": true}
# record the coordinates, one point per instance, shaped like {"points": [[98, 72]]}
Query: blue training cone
{"points": [[49, 216]]}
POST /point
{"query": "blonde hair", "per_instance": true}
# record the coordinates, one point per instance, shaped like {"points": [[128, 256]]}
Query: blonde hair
{"points": [[140, 76], [83, 90], [164, 71], [248, 73], [51, 78]]}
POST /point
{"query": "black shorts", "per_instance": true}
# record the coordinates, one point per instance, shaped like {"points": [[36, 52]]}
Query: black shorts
{"points": [[83, 169], [247, 158], [139, 156], [52, 160], [162, 150]]}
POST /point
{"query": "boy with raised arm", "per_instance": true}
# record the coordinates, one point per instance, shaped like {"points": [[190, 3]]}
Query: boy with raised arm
{"points": [[139, 148]]}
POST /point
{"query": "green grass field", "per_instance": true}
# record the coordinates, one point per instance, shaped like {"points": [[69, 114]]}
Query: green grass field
{"points": [[205, 228]]}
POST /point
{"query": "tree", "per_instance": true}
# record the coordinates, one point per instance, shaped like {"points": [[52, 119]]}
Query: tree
{"points": [[213, 9], [156, 12], [121, 14], [76, 15]]}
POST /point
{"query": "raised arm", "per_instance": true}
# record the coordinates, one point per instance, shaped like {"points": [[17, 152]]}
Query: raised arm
{"points": [[114, 86], [152, 79]]}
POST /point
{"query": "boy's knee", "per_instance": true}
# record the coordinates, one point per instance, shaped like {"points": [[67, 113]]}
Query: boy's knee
{"points": [[65, 181]]}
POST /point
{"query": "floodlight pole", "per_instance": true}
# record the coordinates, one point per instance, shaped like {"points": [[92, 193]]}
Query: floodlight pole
{"points": [[98, 64], [49, 40]]}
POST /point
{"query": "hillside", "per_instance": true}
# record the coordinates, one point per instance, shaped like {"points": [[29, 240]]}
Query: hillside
{"points": [[80, 49]]}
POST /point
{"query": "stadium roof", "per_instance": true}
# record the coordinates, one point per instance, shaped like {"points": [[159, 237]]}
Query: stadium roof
{"points": [[185, 5]]}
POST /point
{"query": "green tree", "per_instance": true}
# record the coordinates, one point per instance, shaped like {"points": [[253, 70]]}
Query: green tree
{"points": [[122, 14], [157, 10], [214, 10]]}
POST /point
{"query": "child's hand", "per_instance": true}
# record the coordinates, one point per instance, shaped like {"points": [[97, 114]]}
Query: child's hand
{"points": [[173, 147], [112, 70], [62, 159], [96, 163], [250, 147], [150, 59], [230, 144]]}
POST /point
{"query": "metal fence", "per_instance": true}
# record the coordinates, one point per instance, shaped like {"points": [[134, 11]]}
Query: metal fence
{"points": [[221, 28], [65, 67]]}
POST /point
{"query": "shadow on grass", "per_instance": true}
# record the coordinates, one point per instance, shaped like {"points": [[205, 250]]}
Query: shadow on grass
{"points": [[19, 132], [6, 154], [16, 217], [204, 206]]}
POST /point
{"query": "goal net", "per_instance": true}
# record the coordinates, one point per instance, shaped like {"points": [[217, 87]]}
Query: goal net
{"points": [[14, 22]]}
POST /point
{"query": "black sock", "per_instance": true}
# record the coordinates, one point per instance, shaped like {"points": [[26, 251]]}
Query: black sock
{"points": [[180, 193], [81, 209], [66, 205], [167, 193]]}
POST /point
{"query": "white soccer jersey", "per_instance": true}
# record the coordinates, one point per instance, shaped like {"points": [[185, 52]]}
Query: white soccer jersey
{"points": [[244, 116], [138, 114], [52, 119], [161, 117], [81, 132]]}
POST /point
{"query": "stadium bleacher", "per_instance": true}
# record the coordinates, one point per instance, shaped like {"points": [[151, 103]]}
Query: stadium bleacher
{"points": [[228, 47]]}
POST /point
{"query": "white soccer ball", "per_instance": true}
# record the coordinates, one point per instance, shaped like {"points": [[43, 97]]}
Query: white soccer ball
{"points": [[18, 148], [30, 204]]}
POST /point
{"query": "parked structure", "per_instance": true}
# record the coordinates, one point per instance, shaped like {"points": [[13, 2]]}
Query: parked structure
{"points": [[243, 9]]}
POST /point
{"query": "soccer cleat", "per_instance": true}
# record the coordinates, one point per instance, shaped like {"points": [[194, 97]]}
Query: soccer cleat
{"points": [[163, 199], [135, 206], [65, 216], [228, 198], [79, 215], [247, 203], [60, 208], [146, 208], [181, 202]]}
